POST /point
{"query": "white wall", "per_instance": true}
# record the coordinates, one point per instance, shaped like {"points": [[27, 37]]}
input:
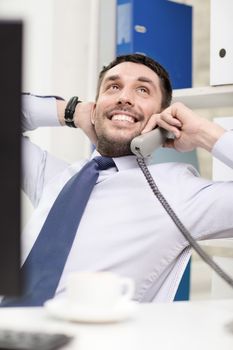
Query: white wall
{"points": [[61, 56], [57, 57], [37, 38]]}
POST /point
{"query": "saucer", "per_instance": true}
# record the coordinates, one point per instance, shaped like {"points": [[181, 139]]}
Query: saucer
{"points": [[64, 309]]}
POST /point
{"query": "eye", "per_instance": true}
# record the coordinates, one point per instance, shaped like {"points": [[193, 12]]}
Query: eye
{"points": [[113, 87], [143, 90]]}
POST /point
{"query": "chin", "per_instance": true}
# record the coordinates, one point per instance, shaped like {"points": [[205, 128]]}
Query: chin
{"points": [[113, 148], [122, 135]]}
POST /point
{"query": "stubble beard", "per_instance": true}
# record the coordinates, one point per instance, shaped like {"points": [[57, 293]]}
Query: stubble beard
{"points": [[116, 145], [113, 148]]}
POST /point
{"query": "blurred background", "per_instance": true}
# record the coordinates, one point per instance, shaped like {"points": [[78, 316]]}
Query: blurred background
{"points": [[66, 43]]}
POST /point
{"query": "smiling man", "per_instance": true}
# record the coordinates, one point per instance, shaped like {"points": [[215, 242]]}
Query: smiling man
{"points": [[124, 229], [128, 95]]}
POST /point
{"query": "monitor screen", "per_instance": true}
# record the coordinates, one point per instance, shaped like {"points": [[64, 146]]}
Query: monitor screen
{"points": [[10, 150]]}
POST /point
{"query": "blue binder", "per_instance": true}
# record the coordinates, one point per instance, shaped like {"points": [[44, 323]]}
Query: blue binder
{"points": [[161, 29]]}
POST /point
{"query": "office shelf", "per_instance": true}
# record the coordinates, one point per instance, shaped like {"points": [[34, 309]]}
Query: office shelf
{"points": [[205, 97]]}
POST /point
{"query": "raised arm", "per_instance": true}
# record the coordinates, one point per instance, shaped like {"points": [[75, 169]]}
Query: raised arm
{"points": [[189, 128], [40, 111], [38, 166]]}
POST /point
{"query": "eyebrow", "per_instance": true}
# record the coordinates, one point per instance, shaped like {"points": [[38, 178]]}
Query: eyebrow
{"points": [[147, 80], [112, 78], [140, 79]]}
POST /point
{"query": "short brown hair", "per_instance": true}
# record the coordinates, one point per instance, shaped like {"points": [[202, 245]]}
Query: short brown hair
{"points": [[163, 75]]}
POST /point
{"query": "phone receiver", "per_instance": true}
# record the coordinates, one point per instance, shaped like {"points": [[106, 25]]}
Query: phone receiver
{"points": [[144, 145]]}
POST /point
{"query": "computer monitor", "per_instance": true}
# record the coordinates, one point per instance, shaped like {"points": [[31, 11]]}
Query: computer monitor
{"points": [[10, 151]]}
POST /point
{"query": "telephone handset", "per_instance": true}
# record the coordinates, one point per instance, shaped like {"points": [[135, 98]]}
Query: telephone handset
{"points": [[144, 145]]}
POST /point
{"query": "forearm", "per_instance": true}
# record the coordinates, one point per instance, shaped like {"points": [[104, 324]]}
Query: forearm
{"points": [[208, 134], [195, 131], [50, 111], [222, 149], [38, 111], [61, 105]]}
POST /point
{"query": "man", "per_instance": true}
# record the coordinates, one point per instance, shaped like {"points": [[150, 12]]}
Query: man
{"points": [[124, 228]]}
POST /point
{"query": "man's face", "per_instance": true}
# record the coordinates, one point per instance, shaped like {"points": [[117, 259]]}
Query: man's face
{"points": [[129, 94]]}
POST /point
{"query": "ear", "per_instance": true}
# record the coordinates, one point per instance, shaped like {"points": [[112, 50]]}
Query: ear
{"points": [[93, 114]]}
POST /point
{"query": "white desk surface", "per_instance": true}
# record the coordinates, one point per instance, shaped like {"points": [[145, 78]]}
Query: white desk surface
{"points": [[180, 325]]}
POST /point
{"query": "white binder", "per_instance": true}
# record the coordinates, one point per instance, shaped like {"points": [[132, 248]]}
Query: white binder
{"points": [[221, 42]]}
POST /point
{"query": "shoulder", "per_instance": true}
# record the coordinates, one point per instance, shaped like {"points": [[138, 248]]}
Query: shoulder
{"points": [[174, 168]]}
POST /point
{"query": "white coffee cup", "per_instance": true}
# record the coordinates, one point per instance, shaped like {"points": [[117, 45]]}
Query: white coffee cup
{"points": [[98, 289]]}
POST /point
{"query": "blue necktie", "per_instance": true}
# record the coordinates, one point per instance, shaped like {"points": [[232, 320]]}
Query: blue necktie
{"points": [[44, 265]]}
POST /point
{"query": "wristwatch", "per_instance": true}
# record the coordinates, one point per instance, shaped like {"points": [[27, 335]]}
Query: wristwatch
{"points": [[69, 111]]}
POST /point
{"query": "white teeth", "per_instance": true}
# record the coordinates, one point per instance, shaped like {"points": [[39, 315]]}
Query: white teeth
{"points": [[123, 117]]}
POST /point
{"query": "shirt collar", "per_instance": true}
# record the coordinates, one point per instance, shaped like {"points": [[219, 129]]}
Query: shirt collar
{"points": [[124, 162]]}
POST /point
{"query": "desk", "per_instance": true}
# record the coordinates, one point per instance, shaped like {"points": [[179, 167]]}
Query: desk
{"points": [[181, 325]]}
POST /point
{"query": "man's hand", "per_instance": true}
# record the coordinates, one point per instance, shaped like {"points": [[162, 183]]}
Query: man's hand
{"points": [[82, 117], [190, 130]]}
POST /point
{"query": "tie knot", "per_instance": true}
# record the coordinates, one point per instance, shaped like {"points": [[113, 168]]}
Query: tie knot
{"points": [[104, 162]]}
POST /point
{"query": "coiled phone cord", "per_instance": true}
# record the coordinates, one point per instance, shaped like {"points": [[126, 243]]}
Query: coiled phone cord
{"points": [[181, 227]]}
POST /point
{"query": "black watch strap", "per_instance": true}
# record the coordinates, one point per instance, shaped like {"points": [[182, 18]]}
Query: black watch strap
{"points": [[69, 111]]}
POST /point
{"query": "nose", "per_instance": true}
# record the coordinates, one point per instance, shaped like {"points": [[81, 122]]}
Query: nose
{"points": [[125, 97]]}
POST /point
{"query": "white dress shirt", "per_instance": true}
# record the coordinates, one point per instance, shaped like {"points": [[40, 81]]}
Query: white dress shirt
{"points": [[124, 228]]}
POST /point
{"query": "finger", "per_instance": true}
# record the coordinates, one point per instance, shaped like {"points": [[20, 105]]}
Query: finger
{"points": [[173, 129], [170, 119], [151, 124]]}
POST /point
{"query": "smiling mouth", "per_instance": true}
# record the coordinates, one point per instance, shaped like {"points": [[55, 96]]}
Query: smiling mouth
{"points": [[123, 118]]}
